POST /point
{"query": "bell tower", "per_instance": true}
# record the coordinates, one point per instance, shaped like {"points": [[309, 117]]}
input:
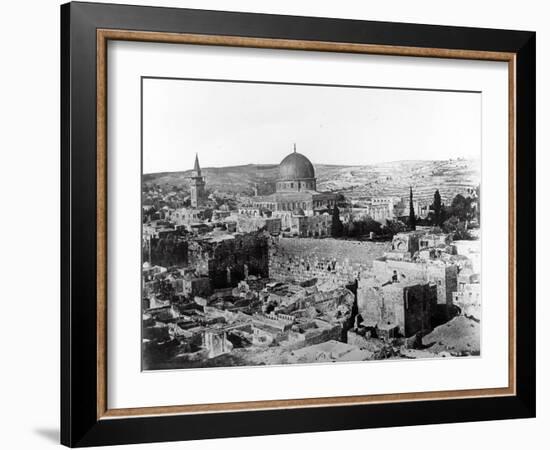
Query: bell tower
{"points": [[197, 185]]}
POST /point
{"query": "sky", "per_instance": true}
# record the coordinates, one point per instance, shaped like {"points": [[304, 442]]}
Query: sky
{"points": [[231, 123]]}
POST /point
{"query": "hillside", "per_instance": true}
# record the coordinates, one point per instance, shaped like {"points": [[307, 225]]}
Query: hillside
{"points": [[386, 179]]}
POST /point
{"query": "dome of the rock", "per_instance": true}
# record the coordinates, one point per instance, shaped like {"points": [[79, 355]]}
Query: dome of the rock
{"points": [[296, 167]]}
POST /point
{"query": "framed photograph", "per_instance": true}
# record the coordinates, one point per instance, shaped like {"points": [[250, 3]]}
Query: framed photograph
{"points": [[277, 224]]}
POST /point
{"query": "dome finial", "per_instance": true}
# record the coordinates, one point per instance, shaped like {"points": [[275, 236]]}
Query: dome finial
{"points": [[295, 147]]}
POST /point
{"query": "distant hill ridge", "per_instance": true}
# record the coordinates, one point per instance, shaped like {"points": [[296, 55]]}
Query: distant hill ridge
{"points": [[362, 181]]}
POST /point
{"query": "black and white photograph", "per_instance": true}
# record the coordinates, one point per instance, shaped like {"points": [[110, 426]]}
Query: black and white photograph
{"points": [[275, 225], [298, 223]]}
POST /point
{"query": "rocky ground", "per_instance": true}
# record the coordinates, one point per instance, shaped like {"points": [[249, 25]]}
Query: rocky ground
{"points": [[458, 337]]}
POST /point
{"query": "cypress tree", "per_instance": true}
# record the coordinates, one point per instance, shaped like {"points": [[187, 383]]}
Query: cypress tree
{"points": [[337, 226], [412, 216], [437, 208]]}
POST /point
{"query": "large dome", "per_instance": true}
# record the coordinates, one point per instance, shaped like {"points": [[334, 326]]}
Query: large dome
{"points": [[296, 167]]}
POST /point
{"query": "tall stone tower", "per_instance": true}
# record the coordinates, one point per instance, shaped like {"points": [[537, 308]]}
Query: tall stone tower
{"points": [[197, 185]]}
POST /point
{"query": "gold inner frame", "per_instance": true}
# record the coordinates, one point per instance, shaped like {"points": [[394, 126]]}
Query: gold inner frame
{"points": [[104, 35]]}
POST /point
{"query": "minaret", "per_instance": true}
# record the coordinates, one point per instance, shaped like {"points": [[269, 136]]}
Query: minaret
{"points": [[197, 185]]}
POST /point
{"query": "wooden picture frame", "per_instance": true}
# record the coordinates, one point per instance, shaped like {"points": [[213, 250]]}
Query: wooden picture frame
{"points": [[86, 418]]}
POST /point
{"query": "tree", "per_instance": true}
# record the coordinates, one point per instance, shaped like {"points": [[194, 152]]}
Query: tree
{"points": [[363, 226], [369, 225], [438, 209], [461, 207], [457, 227], [393, 227], [337, 226], [351, 229], [412, 216]]}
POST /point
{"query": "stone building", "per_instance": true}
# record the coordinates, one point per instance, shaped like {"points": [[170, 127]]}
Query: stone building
{"points": [[296, 200], [296, 188], [441, 274], [309, 226], [470, 249], [380, 208], [407, 307], [402, 205], [435, 240], [405, 263], [248, 224], [192, 286], [404, 245], [468, 292], [186, 216]]}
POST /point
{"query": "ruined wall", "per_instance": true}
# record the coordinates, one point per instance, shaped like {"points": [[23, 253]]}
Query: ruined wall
{"points": [[216, 343], [381, 305], [332, 333], [325, 259], [247, 254], [166, 251], [296, 341], [358, 340], [198, 257], [228, 261], [196, 286]]}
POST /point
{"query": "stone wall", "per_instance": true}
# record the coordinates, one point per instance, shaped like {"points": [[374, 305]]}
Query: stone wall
{"points": [[228, 261], [420, 308], [296, 341], [165, 251], [250, 224], [329, 259]]}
